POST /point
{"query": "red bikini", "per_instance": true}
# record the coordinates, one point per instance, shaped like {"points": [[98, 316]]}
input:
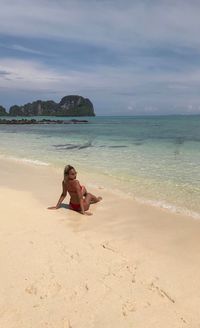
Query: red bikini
{"points": [[75, 207]]}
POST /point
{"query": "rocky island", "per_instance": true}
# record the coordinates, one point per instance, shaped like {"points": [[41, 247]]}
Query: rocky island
{"points": [[72, 105], [3, 111]]}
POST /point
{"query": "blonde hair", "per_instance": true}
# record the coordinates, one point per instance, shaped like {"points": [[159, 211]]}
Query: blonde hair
{"points": [[67, 168]]}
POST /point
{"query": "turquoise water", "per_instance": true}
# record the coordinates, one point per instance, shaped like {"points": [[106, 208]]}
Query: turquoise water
{"points": [[153, 159]]}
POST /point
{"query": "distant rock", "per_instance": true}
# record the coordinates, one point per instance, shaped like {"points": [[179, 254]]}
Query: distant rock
{"points": [[75, 106], [68, 106], [34, 109], [3, 111]]}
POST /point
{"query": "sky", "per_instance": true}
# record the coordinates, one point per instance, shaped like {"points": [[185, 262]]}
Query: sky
{"points": [[128, 57]]}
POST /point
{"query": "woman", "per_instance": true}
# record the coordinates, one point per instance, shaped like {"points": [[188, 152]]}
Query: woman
{"points": [[80, 199]]}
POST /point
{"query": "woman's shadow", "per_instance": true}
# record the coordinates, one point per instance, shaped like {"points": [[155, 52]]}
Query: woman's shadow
{"points": [[66, 206]]}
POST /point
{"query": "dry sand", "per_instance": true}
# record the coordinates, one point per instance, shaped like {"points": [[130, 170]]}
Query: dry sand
{"points": [[128, 265]]}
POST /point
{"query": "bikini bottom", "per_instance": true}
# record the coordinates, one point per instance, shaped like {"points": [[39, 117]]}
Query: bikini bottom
{"points": [[75, 207]]}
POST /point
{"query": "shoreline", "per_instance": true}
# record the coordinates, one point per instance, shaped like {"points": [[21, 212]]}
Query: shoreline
{"points": [[109, 184], [153, 161], [128, 264]]}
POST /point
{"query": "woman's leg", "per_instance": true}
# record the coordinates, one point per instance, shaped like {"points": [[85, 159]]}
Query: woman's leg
{"points": [[95, 199], [87, 201], [91, 199]]}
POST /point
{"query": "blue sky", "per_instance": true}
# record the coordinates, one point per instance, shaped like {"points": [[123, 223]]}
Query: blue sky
{"points": [[128, 57]]}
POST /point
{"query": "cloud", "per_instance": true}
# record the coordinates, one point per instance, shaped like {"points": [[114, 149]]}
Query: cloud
{"points": [[21, 48], [132, 55], [118, 82], [4, 73], [112, 24]]}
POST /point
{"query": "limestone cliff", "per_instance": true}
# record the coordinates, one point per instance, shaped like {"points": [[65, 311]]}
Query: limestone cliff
{"points": [[3, 111], [72, 105]]}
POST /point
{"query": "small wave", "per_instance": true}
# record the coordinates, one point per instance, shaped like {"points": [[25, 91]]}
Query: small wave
{"points": [[170, 207], [155, 203], [28, 161]]}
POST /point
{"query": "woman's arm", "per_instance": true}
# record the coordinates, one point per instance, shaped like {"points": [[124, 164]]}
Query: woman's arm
{"points": [[62, 197]]}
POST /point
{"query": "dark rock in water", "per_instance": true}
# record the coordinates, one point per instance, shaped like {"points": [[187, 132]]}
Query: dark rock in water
{"points": [[62, 145], [68, 147], [44, 121], [138, 143], [87, 145], [68, 106], [75, 121], [179, 140], [117, 146], [72, 146]]}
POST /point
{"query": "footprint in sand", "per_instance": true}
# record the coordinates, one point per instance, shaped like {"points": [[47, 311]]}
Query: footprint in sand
{"points": [[161, 292], [133, 272], [127, 308], [42, 297], [55, 288], [183, 320], [107, 246], [75, 256], [32, 290]]}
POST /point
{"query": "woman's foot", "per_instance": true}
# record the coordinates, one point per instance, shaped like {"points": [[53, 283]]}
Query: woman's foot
{"points": [[96, 200]]}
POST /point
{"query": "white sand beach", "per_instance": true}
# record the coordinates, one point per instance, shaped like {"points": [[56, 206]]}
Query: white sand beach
{"points": [[128, 265]]}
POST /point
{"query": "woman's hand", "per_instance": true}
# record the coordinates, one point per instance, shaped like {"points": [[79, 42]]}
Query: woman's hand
{"points": [[52, 208]]}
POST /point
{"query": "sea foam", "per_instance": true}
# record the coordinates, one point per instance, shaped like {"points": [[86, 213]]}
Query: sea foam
{"points": [[27, 161]]}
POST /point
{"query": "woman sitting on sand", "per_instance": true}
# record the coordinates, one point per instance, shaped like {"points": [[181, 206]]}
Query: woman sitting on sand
{"points": [[80, 199]]}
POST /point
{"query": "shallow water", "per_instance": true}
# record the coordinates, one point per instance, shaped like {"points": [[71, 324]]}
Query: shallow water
{"points": [[153, 159]]}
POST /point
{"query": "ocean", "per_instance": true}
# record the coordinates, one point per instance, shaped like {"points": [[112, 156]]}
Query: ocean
{"points": [[153, 159]]}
